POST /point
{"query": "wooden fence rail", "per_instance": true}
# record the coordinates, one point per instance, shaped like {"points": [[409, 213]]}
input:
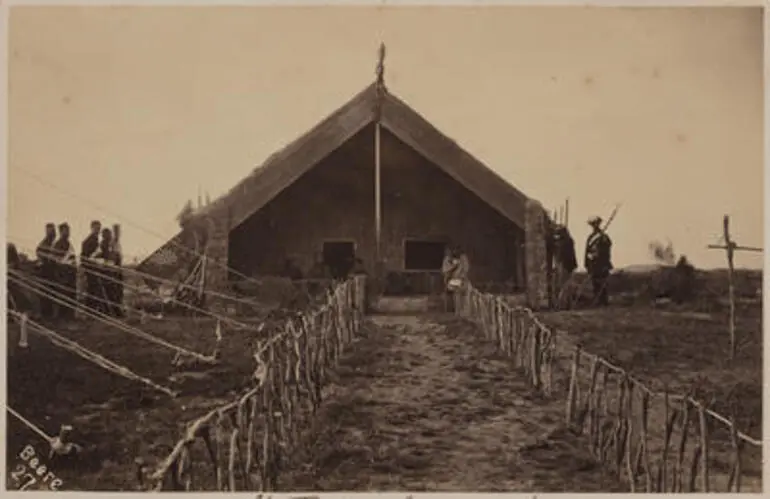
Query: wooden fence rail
{"points": [[244, 444], [654, 441]]}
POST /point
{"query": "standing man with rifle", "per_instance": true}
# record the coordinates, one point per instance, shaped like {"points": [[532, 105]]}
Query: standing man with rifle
{"points": [[598, 261]]}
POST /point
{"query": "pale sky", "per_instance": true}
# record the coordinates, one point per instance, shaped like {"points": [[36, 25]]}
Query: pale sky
{"points": [[128, 110]]}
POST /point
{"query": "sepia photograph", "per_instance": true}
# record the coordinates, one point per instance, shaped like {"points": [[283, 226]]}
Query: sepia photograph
{"points": [[384, 248]]}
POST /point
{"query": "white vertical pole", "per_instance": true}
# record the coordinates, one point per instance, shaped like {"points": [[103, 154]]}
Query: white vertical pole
{"points": [[377, 192], [566, 213], [23, 343]]}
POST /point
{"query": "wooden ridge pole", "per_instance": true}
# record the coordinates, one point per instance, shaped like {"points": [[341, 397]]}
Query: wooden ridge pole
{"points": [[380, 86], [377, 192]]}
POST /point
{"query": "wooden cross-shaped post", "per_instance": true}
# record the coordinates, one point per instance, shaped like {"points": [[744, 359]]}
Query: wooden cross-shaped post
{"points": [[730, 248]]}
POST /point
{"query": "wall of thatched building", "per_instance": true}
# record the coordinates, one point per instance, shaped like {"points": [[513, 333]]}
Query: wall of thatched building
{"points": [[335, 201], [537, 264]]}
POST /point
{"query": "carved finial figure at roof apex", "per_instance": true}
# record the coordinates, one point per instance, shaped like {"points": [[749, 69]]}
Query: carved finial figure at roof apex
{"points": [[381, 66]]}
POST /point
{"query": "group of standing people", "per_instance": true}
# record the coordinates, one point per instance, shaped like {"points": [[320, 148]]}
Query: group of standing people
{"points": [[101, 258], [597, 260], [57, 265], [456, 265]]}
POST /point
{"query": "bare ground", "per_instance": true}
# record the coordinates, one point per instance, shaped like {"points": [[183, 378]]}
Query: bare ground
{"points": [[680, 349], [114, 418], [415, 406], [428, 405]]}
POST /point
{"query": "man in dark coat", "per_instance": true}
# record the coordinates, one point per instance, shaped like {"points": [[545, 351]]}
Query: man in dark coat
{"points": [[562, 251], [16, 299], [117, 260], [87, 250], [565, 249], [105, 277], [598, 261], [66, 271], [46, 269]]}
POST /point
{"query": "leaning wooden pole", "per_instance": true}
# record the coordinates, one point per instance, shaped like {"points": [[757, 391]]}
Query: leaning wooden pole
{"points": [[566, 213]]}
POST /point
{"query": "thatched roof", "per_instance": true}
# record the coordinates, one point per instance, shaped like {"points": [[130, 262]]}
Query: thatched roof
{"points": [[286, 166]]}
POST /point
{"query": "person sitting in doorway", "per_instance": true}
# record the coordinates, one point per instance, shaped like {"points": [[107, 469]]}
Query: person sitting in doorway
{"points": [[319, 270], [458, 276], [346, 269], [358, 267], [448, 266], [291, 270], [317, 273]]}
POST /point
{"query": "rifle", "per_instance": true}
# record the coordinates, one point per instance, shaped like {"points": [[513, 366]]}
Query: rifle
{"points": [[612, 216]]}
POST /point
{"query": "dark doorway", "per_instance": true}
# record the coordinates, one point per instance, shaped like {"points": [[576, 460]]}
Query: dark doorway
{"points": [[339, 256], [423, 255]]}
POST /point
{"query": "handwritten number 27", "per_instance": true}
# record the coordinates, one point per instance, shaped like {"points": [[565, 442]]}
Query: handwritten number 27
{"points": [[19, 473], [32, 481]]}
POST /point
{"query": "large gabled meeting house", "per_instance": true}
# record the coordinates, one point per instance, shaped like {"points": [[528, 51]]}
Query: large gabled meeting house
{"points": [[376, 181]]}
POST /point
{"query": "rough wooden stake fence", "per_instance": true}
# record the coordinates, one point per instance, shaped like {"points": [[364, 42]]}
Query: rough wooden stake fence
{"points": [[614, 414], [244, 444]]}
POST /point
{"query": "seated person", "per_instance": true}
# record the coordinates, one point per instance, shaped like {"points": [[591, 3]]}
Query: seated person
{"points": [[291, 270]]}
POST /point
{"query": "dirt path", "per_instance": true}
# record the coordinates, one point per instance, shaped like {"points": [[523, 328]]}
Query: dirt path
{"points": [[427, 404]]}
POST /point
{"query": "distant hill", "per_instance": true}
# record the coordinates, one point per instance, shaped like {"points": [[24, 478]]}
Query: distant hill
{"points": [[644, 268], [640, 268]]}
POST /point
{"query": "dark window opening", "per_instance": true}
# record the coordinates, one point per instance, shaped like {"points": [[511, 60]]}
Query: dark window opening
{"points": [[423, 255], [339, 257]]}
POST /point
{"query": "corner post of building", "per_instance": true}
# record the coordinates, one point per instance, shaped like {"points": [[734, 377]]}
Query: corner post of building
{"points": [[217, 262], [536, 264]]}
